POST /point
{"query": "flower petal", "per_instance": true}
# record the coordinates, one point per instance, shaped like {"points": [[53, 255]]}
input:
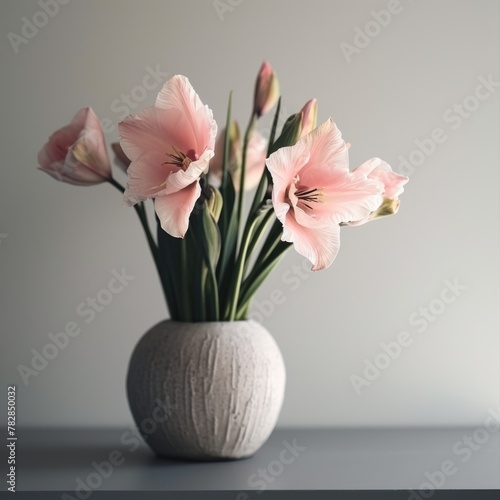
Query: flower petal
{"points": [[381, 171], [284, 165], [147, 177], [349, 196], [77, 153], [327, 148], [319, 245], [174, 209], [178, 94], [154, 129], [180, 178]]}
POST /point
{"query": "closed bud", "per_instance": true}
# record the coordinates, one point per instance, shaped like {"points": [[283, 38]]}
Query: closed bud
{"points": [[389, 206], [290, 133], [214, 203], [309, 115], [266, 90], [234, 158]]}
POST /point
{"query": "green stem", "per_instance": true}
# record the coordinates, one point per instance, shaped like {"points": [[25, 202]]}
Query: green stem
{"points": [[263, 183], [185, 283], [240, 267], [241, 194], [259, 231]]}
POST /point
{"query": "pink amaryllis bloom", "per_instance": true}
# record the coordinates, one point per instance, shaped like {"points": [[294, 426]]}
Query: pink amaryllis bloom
{"points": [[314, 192], [170, 145], [256, 158], [77, 153]]}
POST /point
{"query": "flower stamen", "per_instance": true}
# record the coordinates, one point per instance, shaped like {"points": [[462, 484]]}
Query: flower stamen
{"points": [[307, 196], [178, 158]]}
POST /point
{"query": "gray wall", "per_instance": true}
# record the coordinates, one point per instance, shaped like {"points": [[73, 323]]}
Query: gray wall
{"points": [[408, 79]]}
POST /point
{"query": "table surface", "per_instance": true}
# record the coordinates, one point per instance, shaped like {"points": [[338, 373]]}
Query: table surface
{"points": [[328, 459]]}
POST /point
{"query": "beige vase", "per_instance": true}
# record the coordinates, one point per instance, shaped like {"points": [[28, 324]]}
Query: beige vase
{"points": [[206, 391]]}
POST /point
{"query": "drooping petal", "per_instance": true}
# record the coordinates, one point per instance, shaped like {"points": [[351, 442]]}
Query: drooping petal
{"points": [[348, 196], [320, 245], [174, 209], [381, 171]]}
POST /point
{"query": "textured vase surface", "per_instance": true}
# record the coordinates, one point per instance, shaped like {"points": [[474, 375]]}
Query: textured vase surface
{"points": [[206, 391]]}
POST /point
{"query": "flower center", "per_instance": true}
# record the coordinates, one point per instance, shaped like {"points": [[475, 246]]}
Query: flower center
{"points": [[308, 196], [179, 159]]}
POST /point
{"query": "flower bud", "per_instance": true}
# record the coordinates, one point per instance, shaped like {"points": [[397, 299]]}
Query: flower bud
{"points": [[77, 153], [290, 133], [266, 90], [214, 203], [234, 156], [309, 115]]}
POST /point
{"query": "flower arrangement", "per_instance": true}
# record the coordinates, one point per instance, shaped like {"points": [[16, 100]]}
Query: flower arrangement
{"points": [[211, 257]]}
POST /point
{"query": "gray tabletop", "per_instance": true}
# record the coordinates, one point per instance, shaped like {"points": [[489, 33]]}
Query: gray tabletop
{"points": [[328, 459]]}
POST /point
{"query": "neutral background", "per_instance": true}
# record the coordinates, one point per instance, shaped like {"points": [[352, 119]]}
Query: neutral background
{"points": [[59, 243]]}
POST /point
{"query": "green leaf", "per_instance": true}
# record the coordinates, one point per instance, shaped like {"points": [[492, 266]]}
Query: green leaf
{"points": [[169, 256], [209, 243], [289, 134], [255, 279]]}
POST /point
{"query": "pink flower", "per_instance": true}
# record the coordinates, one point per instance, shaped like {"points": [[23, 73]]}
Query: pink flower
{"points": [[256, 158], [77, 153], [313, 192], [267, 90], [392, 182], [169, 145]]}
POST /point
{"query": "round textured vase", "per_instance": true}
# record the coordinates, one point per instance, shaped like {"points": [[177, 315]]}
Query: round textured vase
{"points": [[206, 391]]}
